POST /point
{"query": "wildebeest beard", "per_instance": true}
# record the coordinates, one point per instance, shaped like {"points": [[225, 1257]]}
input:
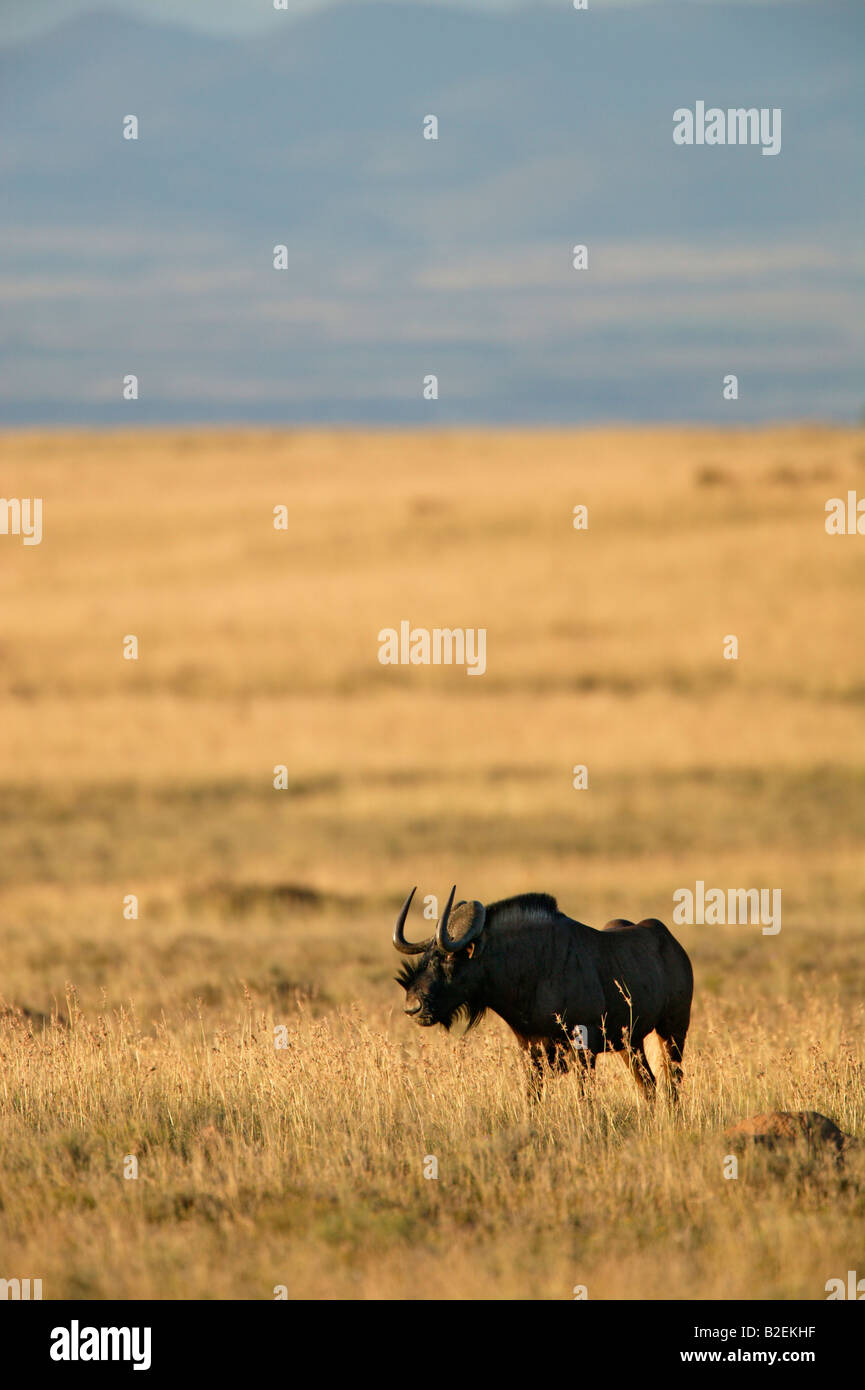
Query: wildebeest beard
{"points": [[452, 1012]]}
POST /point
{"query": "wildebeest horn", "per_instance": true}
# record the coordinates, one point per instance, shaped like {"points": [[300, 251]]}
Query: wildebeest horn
{"points": [[408, 948], [444, 942]]}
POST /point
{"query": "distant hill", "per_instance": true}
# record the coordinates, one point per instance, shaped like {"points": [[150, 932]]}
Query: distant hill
{"points": [[409, 257]]}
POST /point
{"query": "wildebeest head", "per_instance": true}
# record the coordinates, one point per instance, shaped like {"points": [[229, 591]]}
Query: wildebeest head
{"points": [[444, 981]]}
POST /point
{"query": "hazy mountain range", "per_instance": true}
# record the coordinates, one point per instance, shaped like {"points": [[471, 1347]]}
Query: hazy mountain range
{"points": [[408, 257]]}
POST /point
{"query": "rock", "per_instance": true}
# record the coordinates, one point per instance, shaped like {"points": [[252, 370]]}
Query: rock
{"points": [[779, 1127]]}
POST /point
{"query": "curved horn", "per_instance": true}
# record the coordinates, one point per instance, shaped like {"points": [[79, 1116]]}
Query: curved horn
{"points": [[407, 948], [444, 942]]}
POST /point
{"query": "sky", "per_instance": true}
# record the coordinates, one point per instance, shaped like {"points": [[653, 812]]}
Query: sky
{"points": [[154, 258], [23, 18]]}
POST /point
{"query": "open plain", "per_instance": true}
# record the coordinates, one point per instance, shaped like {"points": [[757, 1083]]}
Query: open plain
{"points": [[302, 1167]]}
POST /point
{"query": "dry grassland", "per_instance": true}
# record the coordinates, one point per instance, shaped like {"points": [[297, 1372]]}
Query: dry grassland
{"points": [[304, 1167]]}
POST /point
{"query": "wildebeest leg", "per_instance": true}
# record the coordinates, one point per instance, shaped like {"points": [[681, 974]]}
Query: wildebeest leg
{"points": [[674, 1046], [548, 1056], [638, 1065], [537, 1070], [585, 1067], [558, 1055]]}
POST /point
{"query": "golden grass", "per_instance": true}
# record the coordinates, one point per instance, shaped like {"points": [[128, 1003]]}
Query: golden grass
{"points": [[258, 908]]}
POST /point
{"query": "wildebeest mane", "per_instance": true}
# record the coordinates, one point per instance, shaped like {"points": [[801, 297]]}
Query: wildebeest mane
{"points": [[540, 907]]}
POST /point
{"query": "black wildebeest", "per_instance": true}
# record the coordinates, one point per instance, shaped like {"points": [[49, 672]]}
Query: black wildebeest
{"points": [[566, 990]]}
